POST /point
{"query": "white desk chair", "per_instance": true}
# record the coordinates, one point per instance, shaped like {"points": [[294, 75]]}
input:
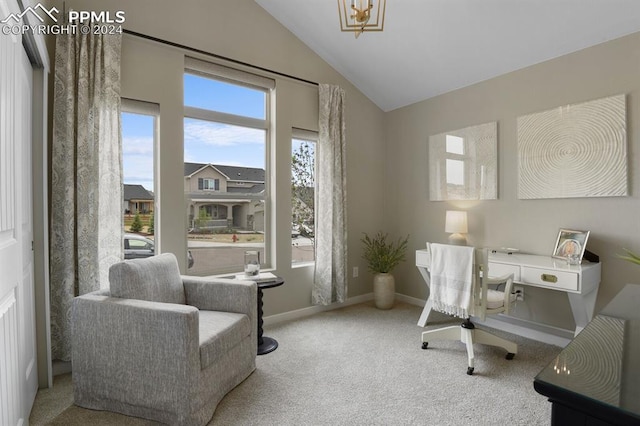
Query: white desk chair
{"points": [[483, 301]]}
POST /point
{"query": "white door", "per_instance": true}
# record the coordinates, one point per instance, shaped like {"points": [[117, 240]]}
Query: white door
{"points": [[18, 375]]}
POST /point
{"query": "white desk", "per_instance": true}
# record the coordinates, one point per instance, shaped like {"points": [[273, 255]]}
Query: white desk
{"points": [[580, 282]]}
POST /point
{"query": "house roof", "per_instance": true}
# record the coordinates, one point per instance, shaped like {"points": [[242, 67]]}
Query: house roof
{"points": [[255, 189], [136, 192], [246, 174]]}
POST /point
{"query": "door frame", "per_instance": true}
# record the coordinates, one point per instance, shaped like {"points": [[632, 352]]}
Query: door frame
{"points": [[36, 49]]}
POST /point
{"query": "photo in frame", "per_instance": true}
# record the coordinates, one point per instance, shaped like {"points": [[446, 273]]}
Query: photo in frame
{"points": [[570, 242]]}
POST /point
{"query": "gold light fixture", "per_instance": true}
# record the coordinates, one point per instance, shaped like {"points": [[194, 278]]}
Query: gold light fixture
{"points": [[356, 15]]}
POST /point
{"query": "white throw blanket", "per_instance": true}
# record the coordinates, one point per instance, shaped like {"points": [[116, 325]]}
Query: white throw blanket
{"points": [[451, 273]]}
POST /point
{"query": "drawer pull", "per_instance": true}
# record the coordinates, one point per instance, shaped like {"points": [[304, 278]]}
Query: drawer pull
{"points": [[550, 278]]}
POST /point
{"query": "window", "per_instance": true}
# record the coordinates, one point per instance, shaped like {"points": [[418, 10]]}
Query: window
{"points": [[303, 196], [139, 138], [212, 184], [226, 130], [139, 245]]}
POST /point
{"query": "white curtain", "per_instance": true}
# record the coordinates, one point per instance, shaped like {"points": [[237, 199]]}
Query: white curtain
{"points": [[86, 175], [330, 281]]}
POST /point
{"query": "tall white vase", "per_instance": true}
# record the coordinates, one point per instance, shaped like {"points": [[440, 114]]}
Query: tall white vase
{"points": [[384, 290]]}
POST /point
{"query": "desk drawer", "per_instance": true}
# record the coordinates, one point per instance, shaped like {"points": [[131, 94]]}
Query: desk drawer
{"points": [[550, 279], [501, 269]]}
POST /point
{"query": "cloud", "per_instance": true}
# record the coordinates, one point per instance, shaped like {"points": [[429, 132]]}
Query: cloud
{"points": [[138, 169], [137, 146], [219, 134]]}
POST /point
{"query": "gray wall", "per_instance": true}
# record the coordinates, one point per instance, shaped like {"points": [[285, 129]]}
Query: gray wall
{"points": [[531, 225]]}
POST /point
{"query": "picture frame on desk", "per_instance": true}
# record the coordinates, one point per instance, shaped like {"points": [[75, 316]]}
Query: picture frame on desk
{"points": [[570, 242]]}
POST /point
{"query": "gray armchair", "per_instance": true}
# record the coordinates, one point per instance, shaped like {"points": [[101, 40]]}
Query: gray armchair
{"points": [[162, 346]]}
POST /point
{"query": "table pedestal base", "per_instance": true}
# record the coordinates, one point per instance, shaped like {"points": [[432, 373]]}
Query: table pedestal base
{"points": [[267, 345]]}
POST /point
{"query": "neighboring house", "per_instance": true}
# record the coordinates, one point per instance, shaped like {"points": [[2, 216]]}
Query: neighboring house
{"points": [[137, 199], [231, 197]]}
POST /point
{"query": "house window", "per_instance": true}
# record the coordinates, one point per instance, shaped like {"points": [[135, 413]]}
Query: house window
{"points": [[209, 184], [303, 196], [139, 139], [226, 128]]}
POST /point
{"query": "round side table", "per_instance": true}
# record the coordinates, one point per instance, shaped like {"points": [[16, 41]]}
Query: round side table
{"points": [[265, 344]]}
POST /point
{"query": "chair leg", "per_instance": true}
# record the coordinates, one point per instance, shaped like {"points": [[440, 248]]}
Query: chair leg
{"points": [[466, 336], [469, 335], [446, 333], [487, 338]]}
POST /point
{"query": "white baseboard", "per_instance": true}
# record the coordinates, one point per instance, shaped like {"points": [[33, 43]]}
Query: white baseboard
{"points": [[529, 329], [311, 310], [410, 300]]}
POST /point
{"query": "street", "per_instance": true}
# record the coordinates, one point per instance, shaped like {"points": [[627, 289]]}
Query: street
{"points": [[210, 257]]}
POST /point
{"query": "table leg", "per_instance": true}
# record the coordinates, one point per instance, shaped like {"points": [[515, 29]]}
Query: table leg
{"points": [[582, 307], [265, 344], [425, 313]]}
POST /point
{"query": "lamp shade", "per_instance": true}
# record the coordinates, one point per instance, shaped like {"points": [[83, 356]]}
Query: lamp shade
{"points": [[456, 222]]}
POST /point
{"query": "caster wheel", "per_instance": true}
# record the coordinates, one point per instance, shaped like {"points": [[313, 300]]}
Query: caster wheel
{"points": [[470, 371], [425, 345], [510, 355]]}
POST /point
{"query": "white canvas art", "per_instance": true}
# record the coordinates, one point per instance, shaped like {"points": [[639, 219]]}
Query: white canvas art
{"points": [[574, 151], [463, 164]]}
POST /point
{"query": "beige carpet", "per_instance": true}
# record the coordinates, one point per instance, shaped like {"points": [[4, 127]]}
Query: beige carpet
{"points": [[360, 366]]}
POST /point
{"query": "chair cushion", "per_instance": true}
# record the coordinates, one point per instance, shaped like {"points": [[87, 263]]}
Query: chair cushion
{"points": [[155, 278], [495, 299], [219, 333]]}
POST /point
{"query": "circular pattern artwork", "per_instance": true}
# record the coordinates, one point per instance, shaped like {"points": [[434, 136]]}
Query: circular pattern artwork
{"points": [[574, 151]]}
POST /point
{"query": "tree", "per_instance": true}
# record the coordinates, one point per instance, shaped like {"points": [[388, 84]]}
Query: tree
{"points": [[151, 227], [303, 183], [203, 218], [136, 225]]}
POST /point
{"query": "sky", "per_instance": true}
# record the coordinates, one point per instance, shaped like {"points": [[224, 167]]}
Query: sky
{"points": [[204, 142]]}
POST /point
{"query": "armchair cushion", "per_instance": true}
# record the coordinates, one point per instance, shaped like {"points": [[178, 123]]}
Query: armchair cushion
{"points": [[156, 279], [219, 333]]}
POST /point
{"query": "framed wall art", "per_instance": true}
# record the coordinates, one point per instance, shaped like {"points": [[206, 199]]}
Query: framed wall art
{"points": [[574, 151], [463, 164]]}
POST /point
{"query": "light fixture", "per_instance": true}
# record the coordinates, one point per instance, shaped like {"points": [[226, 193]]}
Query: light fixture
{"points": [[356, 15], [456, 225]]}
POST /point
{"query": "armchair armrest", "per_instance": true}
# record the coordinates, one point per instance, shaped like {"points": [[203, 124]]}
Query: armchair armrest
{"points": [[222, 294], [159, 342]]}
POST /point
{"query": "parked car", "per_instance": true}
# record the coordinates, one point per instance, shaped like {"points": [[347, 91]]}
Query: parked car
{"points": [[137, 246]]}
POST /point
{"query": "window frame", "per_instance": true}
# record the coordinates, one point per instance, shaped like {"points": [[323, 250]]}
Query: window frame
{"points": [[135, 106], [307, 136], [236, 77]]}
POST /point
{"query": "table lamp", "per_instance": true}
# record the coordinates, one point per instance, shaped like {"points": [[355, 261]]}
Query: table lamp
{"points": [[456, 225]]}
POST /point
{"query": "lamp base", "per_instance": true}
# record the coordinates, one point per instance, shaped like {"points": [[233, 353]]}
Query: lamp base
{"points": [[457, 240]]}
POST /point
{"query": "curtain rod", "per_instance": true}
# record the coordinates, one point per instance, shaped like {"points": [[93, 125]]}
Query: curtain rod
{"points": [[202, 52]]}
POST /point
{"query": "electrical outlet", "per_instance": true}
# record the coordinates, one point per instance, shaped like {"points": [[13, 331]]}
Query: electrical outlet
{"points": [[519, 291], [355, 272]]}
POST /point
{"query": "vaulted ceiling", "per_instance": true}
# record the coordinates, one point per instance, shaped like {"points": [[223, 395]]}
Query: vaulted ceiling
{"points": [[430, 47]]}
